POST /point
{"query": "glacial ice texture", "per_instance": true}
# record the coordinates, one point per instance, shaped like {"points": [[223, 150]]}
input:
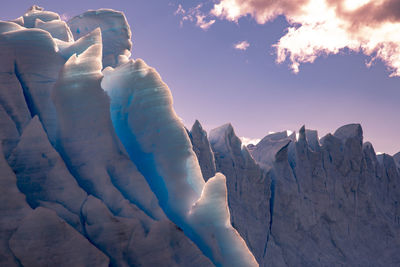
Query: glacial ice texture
{"points": [[79, 195], [96, 169], [156, 140]]}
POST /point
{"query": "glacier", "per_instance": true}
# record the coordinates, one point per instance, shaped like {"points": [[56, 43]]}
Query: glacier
{"points": [[76, 172], [331, 201], [156, 140], [97, 169]]}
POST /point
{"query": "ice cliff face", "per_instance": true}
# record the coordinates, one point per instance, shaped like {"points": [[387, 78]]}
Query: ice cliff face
{"points": [[157, 141], [96, 169], [92, 179], [311, 202]]}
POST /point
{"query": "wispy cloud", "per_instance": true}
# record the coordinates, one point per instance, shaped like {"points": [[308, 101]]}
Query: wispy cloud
{"points": [[241, 45], [194, 15], [65, 17], [321, 27], [203, 23]]}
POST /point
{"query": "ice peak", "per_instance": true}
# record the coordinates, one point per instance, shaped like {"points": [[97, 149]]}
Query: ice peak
{"points": [[353, 130], [274, 137], [224, 138], [224, 130], [36, 12], [116, 33], [302, 134], [197, 126], [282, 154], [202, 148], [396, 158], [86, 63], [312, 139]]}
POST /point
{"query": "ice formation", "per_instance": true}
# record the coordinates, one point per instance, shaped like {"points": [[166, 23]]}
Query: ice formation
{"points": [[330, 202], [104, 189], [156, 140], [96, 169]]}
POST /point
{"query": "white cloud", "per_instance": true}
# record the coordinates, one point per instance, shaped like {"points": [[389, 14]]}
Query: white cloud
{"points": [[203, 23], [289, 132], [194, 15], [65, 17], [241, 45], [323, 27], [180, 10], [247, 141]]}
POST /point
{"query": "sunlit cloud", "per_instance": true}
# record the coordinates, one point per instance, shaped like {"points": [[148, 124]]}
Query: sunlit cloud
{"points": [[289, 132], [65, 17], [202, 22], [241, 45], [324, 27], [194, 15]]}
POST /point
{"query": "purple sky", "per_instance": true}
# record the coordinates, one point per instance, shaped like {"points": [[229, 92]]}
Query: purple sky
{"points": [[215, 83]]}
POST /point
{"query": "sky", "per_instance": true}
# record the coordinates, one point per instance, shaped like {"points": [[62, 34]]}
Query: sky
{"points": [[267, 67]]}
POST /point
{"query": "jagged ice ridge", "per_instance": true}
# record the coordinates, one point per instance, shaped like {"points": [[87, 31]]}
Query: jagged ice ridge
{"points": [[96, 169]]}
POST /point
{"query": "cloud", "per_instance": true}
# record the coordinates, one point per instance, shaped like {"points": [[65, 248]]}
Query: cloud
{"points": [[202, 22], [324, 27], [65, 17], [194, 15], [241, 45], [261, 10], [247, 141], [289, 132]]}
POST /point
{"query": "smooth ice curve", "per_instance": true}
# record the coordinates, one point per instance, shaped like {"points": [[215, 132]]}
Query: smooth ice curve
{"points": [[68, 105], [156, 140]]}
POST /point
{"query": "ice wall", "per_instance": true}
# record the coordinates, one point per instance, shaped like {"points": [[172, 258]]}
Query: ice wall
{"points": [[156, 140], [112, 176], [115, 31]]}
